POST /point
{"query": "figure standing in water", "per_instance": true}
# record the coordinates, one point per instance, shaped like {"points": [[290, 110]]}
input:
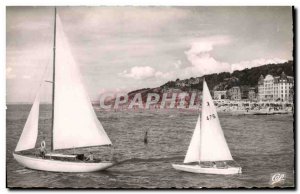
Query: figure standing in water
{"points": [[146, 137]]}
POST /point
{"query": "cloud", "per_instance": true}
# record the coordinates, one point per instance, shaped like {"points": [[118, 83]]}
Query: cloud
{"points": [[199, 62], [178, 64], [105, 39], [255, 63], [199, 56], [146, 72], [202, 63], [139, 72]]}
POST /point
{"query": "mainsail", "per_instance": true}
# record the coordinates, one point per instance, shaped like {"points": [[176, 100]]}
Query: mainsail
{"points": [[213, 146], [193, 153], [75, 122], [30, 131]]}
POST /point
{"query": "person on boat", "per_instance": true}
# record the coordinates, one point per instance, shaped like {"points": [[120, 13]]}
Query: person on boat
{"points": [[225, 164], [90, 157], [214, 165], [43, 149], [222, 164]]}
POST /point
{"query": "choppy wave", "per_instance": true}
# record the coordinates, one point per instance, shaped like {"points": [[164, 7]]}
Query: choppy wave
{"points": [[261, 145]]}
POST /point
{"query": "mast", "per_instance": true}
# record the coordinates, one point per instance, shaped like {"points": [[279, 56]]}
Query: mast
{"points": [[201, 119], [53, 79]]}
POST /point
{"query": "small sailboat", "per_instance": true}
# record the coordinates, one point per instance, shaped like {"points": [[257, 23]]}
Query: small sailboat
{"points": [[74, 122], [208, 147]]}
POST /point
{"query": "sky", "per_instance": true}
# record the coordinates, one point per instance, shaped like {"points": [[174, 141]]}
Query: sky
{"points": [[128, 48]]}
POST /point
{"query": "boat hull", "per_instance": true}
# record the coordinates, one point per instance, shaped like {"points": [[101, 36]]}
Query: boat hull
{"points": [[211, 170], [60, 166]]}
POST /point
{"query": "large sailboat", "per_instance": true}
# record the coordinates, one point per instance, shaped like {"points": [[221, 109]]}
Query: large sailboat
{"points": [[74, 122], [208, 151]]}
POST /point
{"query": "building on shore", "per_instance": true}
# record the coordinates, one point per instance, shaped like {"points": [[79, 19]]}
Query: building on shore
{"points": [[248, 93], [220, 95], [252, 94], [278, 88], [244, 92], [234, 93]]}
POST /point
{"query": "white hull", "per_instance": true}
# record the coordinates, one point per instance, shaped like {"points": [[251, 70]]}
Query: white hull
{"points": [[210, 170], [60, 166]]}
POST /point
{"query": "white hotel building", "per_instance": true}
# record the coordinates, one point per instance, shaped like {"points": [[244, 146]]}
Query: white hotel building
{"points": [[278, 88]]}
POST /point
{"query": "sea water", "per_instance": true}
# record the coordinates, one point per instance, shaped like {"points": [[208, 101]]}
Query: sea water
{"points": [[261, 144]]}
